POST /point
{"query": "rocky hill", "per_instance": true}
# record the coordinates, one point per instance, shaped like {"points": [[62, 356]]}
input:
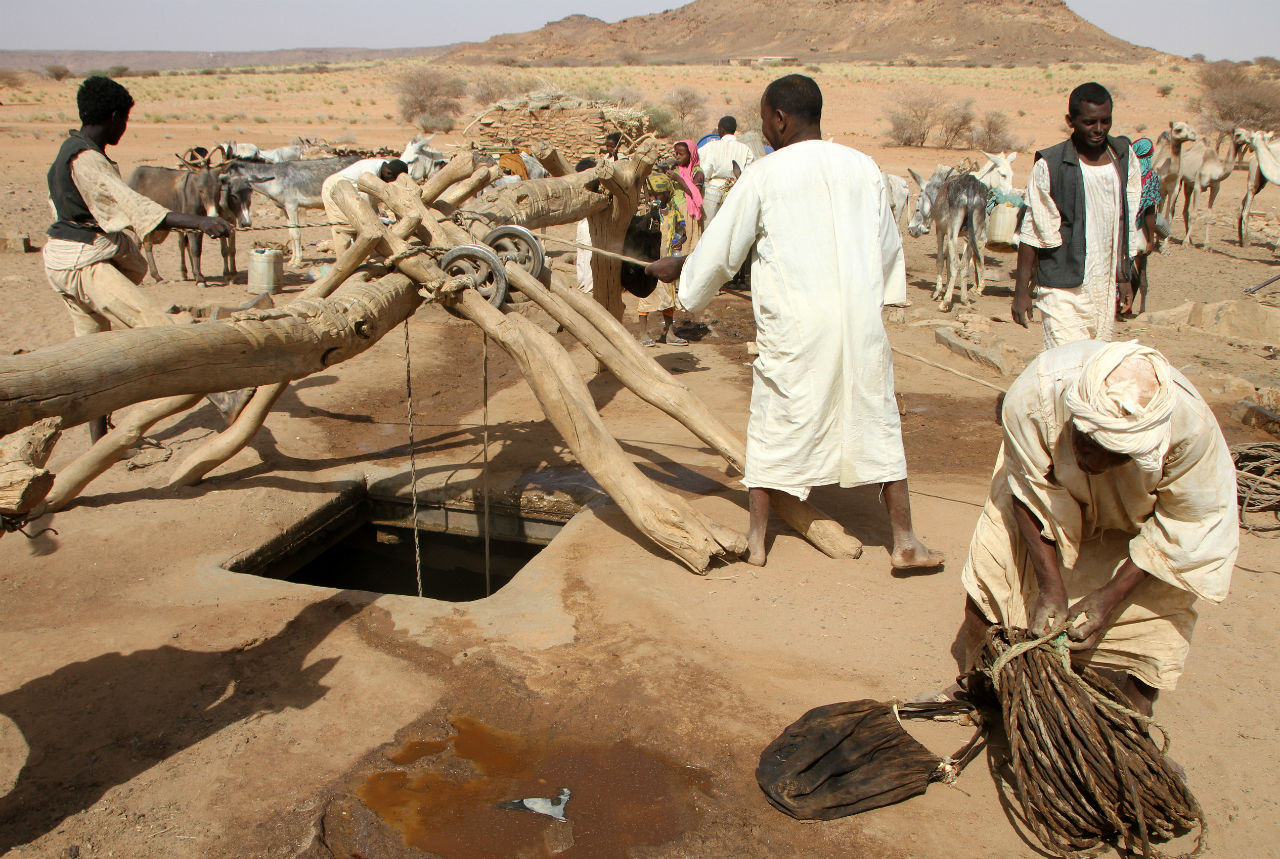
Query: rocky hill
{"points": [[934, 31], [82, 61]]}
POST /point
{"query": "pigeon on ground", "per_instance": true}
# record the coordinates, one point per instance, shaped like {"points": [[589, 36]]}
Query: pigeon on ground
{"points": [[541, 805]]}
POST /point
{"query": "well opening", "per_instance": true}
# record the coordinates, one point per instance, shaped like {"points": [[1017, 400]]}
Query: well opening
{"points": [[363, 542]]}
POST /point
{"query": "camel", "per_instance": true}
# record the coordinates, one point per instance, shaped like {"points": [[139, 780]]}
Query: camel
{"points": [[1258, 177], [1190, 171]]}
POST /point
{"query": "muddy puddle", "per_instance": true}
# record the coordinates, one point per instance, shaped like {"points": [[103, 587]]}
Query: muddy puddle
{"points": [[443, 795]]}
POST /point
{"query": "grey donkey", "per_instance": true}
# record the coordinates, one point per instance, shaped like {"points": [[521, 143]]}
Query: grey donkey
{"points": [[956, 203]]}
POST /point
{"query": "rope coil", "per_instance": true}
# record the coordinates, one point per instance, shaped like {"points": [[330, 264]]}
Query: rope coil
{"points": [[1258, 482], [1085, 768]]}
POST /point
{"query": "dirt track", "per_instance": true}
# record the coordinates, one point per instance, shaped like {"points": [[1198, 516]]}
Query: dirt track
{"points": [[157, 706]]}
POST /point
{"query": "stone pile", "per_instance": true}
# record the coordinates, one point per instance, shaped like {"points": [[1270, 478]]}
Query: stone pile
{"points": [[575, 126]]}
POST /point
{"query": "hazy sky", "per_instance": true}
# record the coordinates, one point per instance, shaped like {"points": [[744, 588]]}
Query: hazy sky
{"points": [[1232, 29]]}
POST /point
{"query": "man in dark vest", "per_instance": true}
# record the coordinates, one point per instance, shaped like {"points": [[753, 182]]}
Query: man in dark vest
{"points": [[1079, 234], [92, 258]]}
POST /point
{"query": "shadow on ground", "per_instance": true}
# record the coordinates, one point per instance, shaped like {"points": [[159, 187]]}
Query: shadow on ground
{"points": [[96, 724]]}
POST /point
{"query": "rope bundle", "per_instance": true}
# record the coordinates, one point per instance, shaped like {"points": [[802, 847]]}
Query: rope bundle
{"points": [[1085, 769], [1258, 481]]}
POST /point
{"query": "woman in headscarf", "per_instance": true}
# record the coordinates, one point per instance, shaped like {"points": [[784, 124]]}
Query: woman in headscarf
{"points": [[689, 179], [663, 298], [1112, 510]]}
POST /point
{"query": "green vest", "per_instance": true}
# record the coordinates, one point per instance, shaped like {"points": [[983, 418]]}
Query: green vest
{"points": [[75, 221], [1063, 266]]}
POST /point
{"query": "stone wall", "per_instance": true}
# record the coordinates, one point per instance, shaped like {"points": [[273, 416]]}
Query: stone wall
{"points": [[574, 126]]}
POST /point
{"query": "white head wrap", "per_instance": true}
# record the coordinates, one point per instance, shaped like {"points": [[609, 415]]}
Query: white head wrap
{"points": [[1123, 400]]}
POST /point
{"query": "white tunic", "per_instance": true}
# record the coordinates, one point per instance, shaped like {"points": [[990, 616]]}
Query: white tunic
{"points": [[1179, 524], [827, 258], [718, 156], [1087, 311]]}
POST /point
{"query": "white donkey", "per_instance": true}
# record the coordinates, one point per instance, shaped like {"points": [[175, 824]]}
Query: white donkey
{"points": [[956, 203]]}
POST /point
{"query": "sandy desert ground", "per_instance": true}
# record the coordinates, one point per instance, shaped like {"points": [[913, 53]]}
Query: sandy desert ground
{"points": [[156, 705]]}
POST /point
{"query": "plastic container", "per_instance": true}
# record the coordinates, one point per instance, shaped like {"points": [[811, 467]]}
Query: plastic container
{"points": [[1002, 223], [266, 270]]}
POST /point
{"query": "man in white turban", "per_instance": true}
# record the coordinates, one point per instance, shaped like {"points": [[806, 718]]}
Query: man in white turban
{"points": [[1112, 509]]}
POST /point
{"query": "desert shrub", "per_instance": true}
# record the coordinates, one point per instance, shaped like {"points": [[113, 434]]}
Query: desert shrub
{"points": [[97, 73], [955, 124], [747, 112], [813, 70], [10, 79], [57, 72], [689, 108], [661, 119], [117, 71], [1197, 58], [626, 97], [631, 58], [486, 88], [430, 98], [1233, 95], [914, 120], [991, 133], [1164, 90]]}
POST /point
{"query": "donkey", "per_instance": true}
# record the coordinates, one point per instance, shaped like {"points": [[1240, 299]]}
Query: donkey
{"points": [[956, 202]]}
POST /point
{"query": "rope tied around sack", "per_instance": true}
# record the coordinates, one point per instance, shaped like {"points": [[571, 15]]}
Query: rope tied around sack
{"points": [[1085, 768]]}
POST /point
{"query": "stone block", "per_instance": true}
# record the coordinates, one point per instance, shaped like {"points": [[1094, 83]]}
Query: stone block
{"points": [[14, 242], [1253, 415], [992, 357]]}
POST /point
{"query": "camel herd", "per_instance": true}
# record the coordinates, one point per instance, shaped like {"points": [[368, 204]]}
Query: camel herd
{"points": [[1188, 167]]}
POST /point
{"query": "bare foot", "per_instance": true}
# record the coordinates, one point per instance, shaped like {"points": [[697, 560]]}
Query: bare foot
{"points": [[755, 550], [915, 555]]}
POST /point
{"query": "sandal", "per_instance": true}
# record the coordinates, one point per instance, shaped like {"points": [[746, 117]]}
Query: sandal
{"points": [[648, 341], [676, 340]]}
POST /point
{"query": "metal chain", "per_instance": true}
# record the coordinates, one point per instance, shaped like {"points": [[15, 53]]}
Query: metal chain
{"points": [[413, 462]]}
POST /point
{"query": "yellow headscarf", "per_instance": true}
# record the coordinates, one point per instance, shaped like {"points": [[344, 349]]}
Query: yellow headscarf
{"points": [[659, 183]]}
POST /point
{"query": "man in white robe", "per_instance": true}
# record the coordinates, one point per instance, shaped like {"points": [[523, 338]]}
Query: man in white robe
{"points": [[827, 258], [1076, 237], [722, 160], [1114, 493]]}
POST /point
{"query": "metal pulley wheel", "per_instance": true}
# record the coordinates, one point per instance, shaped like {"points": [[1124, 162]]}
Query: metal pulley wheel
{"points": [[484, 268], [518, 245]]}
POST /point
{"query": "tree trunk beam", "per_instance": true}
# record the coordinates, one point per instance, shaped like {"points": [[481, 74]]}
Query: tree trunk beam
{"points": [[467, 188], [537, 203], [345, 266], [552, 159], [633, 366], [459, 167], [623, 181], [100, 373], [665, 518], [230, 441], [614, 347], [110, 449], [23, 479]]}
